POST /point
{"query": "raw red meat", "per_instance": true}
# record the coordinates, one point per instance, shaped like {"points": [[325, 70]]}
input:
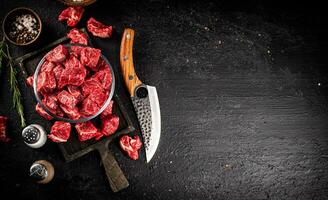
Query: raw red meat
{"points": [[58, 54], [104, 76], [98, 29], [89, 107], [86, 130], [3, 135], [76, 51], [125, 143], [77, 36], [92, 103], [46, 82], [72, 14], [60, 112], [131, 146], [90, 57], [99, 98], [58, 70], [136, 143], [72, 113], [108, 110], [109, 125], [29, 81], [47, 66], [60, 131], [102, 64], [90, 86], [66, 99], [51, 102], [73, 74], [75, 92], [42, 112], [64, 88]]}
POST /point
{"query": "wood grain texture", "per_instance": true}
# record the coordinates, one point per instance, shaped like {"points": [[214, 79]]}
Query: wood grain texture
{"points": [[126, 59], [115, 175]]}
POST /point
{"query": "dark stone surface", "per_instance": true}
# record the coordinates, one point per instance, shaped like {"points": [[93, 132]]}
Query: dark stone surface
{"points": [[243, 116]]}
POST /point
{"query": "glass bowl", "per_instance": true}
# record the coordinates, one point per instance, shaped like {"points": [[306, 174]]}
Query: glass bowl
{"points": [[80, 120]]}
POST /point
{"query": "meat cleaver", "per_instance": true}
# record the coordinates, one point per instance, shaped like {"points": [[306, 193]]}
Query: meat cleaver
{"points": [[144, 97]]}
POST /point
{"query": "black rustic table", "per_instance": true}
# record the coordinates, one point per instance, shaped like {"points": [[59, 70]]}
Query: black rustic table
{"points": [[243, 94]]}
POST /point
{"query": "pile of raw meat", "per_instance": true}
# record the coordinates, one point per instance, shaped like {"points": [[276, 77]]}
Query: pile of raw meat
{"points": [[75, 83]]}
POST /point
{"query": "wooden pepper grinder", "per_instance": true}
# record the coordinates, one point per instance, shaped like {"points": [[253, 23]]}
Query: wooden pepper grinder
{"points": [[42, 171]]}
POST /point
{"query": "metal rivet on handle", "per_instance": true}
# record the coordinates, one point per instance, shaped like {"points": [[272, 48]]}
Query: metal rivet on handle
{"points": [[126, 57], [128, 36], [130, 77]]}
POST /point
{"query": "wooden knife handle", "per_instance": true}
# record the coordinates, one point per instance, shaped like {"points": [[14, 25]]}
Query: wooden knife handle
{"points": [[126, 58], [115, 176]]}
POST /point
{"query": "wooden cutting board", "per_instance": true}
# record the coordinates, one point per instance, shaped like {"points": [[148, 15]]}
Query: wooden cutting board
{"points": [[73, 148]]}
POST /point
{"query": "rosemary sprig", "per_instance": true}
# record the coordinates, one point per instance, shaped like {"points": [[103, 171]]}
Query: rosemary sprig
{"points": [[17, 97], [2, 53]]}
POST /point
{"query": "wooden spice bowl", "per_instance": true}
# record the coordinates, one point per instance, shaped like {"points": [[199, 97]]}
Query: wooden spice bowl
{"points": [[10, 19], [77, 2]]}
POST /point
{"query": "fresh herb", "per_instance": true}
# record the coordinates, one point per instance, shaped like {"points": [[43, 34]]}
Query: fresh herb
{"points": [[2, 53], [17, 97]]}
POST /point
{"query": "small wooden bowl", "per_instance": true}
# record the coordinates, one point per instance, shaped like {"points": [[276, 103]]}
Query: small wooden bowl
{"points": [[9, 18], [77, 2]]}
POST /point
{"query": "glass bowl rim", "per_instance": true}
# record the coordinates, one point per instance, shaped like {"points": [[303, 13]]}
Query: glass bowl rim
{"points": [[80, 120]]}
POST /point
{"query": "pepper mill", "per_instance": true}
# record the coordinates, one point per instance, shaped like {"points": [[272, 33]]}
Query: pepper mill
{"points": [[34, 136], [42, 171]]}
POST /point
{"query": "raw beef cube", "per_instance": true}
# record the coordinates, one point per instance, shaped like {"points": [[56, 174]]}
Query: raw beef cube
{"points": [[3, 125], [92, 104], [131, 146], [102, 64], [58, 54], [86, 130], [76, 76], [74, 73], [72, 14], [60, 131], [136, 143], [110, 124], [98, 97], [89, 107], [60, 112], [90, 86], [98, 29], [76, 51], [46, 82], [66, 99], [108, 110], [29, 81], [75, 92], [47, 66], [63, 79], [72, 113], [90, 57], [77, 36], [51, 102], [42, 112], [58, 70], [104, 76]]}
